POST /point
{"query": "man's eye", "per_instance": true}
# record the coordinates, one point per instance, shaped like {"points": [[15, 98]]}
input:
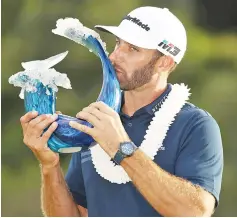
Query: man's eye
{"points": [[134, 49]]}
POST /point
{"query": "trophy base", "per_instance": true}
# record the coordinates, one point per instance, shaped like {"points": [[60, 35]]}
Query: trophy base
{"points": [[69, 150]]}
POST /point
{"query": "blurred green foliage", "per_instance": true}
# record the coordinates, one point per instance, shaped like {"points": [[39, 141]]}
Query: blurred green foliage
{"points": [[209, 68]]}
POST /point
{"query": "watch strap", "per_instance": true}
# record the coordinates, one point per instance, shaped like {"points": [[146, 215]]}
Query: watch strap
{"points": [[119, 156]]}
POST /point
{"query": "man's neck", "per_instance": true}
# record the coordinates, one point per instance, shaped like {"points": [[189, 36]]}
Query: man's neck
{"points": [[136, 99]]}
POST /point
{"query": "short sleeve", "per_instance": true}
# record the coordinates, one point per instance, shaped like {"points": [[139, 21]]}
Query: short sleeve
{"points": [[200, 159], [74, 179]]}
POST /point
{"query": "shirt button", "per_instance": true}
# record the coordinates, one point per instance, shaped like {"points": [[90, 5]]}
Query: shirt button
{"points": [[130, 124]]}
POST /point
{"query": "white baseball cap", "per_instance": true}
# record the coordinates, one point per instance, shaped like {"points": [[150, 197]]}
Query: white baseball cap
{"points": [[152, 28]]}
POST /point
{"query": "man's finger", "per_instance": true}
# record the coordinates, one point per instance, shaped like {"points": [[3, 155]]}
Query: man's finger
{"points": [[89, 117], [58, 112], [45, 137], [46, 122], [103, 108], [38, 119], [82, 128], [94, 111], [28, 117]]}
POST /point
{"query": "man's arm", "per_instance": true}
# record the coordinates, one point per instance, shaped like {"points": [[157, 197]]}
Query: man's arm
{"points": [[199, 160], [56, 198], [169, 195], [195, 188]]}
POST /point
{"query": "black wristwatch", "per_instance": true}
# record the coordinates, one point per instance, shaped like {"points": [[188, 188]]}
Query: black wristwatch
{"points": [[126, 149]]}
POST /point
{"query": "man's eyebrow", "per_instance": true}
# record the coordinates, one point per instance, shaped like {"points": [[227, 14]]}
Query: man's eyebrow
{"points": [[132, 45], [117, 38]]}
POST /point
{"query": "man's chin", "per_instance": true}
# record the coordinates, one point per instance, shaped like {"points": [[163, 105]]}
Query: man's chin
{"points": [[124, 88], [121, 85]]}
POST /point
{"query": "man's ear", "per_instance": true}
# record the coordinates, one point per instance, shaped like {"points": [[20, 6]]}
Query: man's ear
{"points": [[165, 63]]}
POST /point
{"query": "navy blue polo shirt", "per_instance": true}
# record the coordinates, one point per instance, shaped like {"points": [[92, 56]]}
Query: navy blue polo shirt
{"points": [[192, 150]]}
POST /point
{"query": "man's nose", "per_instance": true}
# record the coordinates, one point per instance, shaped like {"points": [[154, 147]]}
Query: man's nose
{"points": [[112, 56], [116, 55]]}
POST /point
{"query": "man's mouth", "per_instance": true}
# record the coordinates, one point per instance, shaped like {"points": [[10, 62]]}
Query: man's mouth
{"points": [[119, 74], [118, 70]]}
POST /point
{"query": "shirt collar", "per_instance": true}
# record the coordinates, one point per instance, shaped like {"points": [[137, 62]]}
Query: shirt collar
{"points": [[155, 105]]}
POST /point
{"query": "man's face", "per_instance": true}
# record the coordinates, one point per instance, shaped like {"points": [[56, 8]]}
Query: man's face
{"points": [[134, 66]]}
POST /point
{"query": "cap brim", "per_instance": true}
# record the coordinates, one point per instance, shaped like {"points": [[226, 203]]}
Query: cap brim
{"points": [[124, 35], [109, 29]]}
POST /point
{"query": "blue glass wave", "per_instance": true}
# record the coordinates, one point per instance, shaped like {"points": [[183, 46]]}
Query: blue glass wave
{"points": [[65, 136]]}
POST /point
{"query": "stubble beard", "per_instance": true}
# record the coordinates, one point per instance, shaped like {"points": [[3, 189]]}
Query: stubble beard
{"points": [[140, 77]]}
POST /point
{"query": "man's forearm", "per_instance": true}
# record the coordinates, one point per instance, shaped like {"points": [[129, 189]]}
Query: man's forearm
{"points": [[55, 196], [169, 195]]}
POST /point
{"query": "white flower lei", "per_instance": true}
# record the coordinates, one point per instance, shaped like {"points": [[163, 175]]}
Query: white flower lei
{"points": [[153, 140]]}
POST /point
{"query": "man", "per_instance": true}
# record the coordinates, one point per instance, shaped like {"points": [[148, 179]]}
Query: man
{"points": [[171, 168]]}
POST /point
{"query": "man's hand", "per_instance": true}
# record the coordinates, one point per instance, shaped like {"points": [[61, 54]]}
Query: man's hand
{"points": [[107, 129], [36, 139]]}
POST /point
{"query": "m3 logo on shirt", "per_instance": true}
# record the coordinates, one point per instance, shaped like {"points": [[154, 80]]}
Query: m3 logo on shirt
{"points": [[169, 47]]}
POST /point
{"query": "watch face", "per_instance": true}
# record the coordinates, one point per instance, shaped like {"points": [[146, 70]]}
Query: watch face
{"points": [[127, 148]]}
